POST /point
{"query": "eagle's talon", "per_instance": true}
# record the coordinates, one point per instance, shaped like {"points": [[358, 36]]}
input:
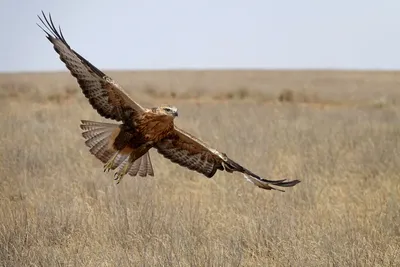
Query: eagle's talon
{"points": [[121, 173], [108, 166], [118, 177]]}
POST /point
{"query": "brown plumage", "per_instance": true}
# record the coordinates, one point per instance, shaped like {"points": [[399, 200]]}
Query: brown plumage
{"points": [[125, 147]]}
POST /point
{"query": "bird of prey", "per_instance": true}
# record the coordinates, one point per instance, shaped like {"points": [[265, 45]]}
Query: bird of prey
{"points": [[125, 146]]}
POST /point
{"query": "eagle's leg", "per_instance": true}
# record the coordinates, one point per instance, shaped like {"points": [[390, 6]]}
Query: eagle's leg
{"points": [[110, 164], [124, 170], [133, 156]]}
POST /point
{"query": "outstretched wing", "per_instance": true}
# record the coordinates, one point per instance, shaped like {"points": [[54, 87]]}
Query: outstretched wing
{"points": [[190, 152], [104, 94]]}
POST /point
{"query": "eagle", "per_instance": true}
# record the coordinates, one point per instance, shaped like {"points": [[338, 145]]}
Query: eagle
{"points": [[124, 147]]}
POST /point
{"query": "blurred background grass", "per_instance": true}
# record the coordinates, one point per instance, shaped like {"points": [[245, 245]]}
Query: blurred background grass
{"points": [[337, 132]]}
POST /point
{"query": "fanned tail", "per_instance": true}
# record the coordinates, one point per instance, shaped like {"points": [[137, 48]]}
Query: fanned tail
{"points": [[98, 134]]}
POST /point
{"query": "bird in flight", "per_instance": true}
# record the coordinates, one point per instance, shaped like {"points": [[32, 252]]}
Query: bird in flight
{"points": [[124, 147]]}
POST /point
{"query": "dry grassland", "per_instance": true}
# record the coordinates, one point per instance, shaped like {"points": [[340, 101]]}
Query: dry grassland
{"points": [[338, 132]]}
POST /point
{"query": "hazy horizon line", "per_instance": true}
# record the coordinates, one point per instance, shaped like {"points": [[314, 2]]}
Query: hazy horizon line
{"points": [[215, 70]]}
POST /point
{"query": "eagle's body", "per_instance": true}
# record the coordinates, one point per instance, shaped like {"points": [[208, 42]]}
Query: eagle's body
{"points": [[137, 135], [126, 146]]}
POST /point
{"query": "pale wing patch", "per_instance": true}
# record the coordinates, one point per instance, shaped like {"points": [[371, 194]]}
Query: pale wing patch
{"points": [[258, 183]]}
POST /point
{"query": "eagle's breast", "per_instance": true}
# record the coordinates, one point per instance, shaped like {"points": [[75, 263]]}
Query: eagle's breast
{"points": [[155, 127]]}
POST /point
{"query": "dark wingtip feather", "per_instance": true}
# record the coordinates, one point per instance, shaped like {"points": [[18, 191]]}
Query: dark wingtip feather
{"points": [[50, 29], [231, 165], [44, 24], [290, 183], [283, 183]]}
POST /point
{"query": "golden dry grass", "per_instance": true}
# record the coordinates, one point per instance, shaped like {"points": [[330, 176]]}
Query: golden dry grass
{"points": [[58, 208]]}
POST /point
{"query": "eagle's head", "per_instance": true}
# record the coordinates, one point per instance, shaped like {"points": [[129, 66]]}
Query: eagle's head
{"points": [[168, 110]]}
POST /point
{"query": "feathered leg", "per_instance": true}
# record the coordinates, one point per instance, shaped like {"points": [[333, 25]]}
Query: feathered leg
{"points": [[133, 156], [110, 164]]}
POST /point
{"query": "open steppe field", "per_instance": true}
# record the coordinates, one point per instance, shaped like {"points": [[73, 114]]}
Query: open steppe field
{"points": [[337, 132]]}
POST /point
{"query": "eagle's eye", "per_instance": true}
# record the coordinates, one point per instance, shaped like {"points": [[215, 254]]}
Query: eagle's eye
{"points": [[171, 111]]}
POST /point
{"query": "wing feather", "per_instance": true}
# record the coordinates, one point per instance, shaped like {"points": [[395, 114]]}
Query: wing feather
{"points": [[186, 150], [103, 93]]}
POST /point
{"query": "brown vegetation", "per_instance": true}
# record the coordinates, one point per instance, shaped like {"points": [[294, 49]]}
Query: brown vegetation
{"points": [[58, 208]]}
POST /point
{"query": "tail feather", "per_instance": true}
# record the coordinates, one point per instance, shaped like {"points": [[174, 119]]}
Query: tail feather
{"points": [[143, 166], [98, 146], [136, 166], [150, 170], [93, 132], [96, 138], [98, 134]]}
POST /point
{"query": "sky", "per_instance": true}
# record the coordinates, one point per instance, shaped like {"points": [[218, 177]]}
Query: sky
{"points": [[219, 34]]}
